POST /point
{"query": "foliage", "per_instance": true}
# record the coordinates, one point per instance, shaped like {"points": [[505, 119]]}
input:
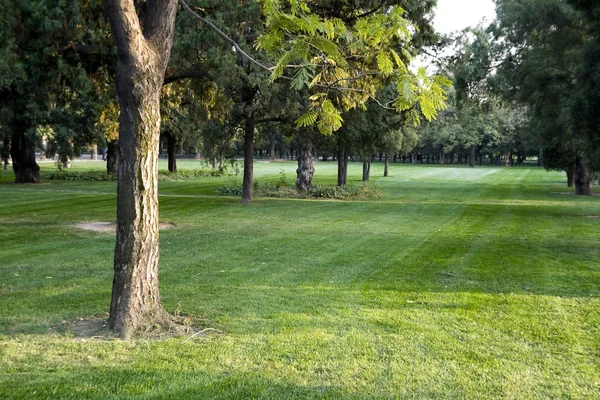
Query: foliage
{"points": [[163, 175], [347, 63], [90, 176], [283, 189], [186, 174]]}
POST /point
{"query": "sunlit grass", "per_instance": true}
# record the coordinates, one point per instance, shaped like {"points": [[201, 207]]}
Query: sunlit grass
{"points": [[458, 283]]}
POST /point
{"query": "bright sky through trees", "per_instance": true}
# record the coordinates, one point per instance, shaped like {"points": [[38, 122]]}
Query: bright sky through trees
{"points": [[453, 15]]}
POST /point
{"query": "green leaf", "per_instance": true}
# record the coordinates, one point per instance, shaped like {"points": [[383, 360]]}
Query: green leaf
{"points": [[384, 63], [307, 119]]}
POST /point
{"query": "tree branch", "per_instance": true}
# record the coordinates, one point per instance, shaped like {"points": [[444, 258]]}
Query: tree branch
{"points": [[191, 74], [125, 25], [225, 37], [158, 24]]}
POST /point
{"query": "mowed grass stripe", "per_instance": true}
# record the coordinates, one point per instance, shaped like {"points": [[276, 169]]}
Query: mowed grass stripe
{"points": [[446, 288]]}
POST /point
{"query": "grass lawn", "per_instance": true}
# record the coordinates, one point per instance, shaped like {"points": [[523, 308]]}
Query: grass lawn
{"points": [[458, 283]]}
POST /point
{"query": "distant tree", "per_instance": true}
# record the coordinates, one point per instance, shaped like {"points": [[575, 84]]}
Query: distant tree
{"points": [[543, 43]]}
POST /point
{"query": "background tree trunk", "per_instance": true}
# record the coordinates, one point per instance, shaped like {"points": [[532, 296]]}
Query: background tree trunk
{"points": [[22, 152], [6, 152], [386, 165], [171, 152], [570, 176], [94, 155], [583, 179], [366, 169], [306, 170], [472, 156], [143, 54], [342, 158], [272, 143], [248, 160], [112, 158]]}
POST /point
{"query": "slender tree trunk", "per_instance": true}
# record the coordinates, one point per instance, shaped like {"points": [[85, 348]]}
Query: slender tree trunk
{"points": [[306, 170], [171, 152], [472, 156], [94, 155], [65, 161], [583, 178], [570, 175], [272, 148], [112, 157], [6, 152], [342, 159], [143, 54], [248, 160], [22, 152], [386, 167], [365, 171]]}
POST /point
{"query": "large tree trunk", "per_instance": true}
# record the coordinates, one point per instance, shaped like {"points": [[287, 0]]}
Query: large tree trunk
{"points": [[248, 160], [472, 156], [342, 159], [583, 178], [112, 158], [306, 170], [386, 167], [143, 54], [22, 152], [171, 152]]}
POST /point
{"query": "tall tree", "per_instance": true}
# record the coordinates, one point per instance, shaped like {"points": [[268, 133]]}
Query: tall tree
{"points": [[144, 38], [543, 42]]}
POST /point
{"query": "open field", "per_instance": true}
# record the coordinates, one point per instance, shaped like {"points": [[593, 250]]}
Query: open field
{"points": [[458, 283]]}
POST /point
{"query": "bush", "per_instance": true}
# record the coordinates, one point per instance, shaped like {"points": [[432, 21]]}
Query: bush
{"points": [[188, 174], [349, 192], [163, 175], [62, 175]]}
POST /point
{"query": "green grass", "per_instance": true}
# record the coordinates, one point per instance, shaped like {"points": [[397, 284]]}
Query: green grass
{"points": [[458, 283]]}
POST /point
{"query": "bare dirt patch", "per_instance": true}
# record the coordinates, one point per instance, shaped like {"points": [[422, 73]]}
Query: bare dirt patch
{"points": [[91, 328], [110, 227]]}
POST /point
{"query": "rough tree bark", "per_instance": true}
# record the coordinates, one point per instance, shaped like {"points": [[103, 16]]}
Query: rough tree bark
{"points": [[342, 159], [22, 152], [248, 160], [583, 178], [112, 158], [143, 48], [306, 170]]}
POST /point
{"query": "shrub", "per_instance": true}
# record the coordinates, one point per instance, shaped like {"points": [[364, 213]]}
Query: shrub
{"points": [[63, 175], [280, 190], [163, 175]]}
